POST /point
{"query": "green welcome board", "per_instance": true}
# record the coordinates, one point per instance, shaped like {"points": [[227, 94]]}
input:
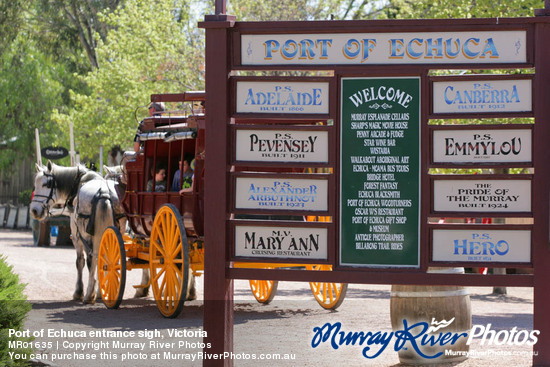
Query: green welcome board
{"points": [[380, 172]]}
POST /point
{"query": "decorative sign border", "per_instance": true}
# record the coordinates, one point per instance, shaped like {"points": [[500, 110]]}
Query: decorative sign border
{"points": [[272, 241], [475, 96], [472, 47], [483, 194], [482, 144], [280, 144], [482, 244], [268, 193], [282, 97]]}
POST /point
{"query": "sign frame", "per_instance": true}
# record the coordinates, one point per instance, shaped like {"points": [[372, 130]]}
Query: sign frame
{"points": [[223, 52]]}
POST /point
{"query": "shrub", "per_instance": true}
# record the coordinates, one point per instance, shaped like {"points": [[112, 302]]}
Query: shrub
{"points": [[13, 310], [25, 197]]}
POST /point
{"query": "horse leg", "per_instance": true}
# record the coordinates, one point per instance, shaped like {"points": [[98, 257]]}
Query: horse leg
{"points": [[79, 247], [144, 290], [103, 219], [79, 289], [191, 290], [90, 296]]}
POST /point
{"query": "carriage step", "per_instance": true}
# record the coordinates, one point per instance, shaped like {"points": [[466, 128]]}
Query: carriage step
{"points": [[137, 261]]}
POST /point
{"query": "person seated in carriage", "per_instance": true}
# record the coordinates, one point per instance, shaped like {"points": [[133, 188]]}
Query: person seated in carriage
{"points": [[160, 179], [185, 180], [155, 109]]}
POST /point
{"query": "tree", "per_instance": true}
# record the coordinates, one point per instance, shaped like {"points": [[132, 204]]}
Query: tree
{"points": [[286, 10], [152, 47], [11, 21], [425, 9], [67, 22], [28, 92]]}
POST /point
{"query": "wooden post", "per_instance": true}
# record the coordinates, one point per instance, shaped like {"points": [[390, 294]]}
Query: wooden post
{"points": [[218, 290], [220, 7], [541, 203]]}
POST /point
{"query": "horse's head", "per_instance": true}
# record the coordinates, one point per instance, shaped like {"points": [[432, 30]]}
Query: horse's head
{"points": [[45, 193], [56, 185], [115, 173]]}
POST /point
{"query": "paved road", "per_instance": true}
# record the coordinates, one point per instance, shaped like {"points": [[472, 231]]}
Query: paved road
{"points": [[137, 335]]}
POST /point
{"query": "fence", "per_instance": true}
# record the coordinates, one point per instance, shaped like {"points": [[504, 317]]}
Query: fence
{"points": [[15, 180]]}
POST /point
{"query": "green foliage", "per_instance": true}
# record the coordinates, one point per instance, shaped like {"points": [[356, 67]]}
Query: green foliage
{"points": [[28, 92], [286, 10], [153, 47], [11, 21], [25, 197], [13, 310], [426, 9]]}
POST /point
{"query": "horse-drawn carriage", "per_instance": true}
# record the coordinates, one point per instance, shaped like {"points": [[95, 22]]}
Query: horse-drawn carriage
{"points": [[167, 232]]}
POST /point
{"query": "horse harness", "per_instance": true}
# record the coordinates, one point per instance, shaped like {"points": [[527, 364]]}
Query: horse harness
{"points": [[51, 184]]}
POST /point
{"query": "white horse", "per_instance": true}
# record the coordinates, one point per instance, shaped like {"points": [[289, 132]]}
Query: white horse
{"points": [[93, 207], [115, 176]]}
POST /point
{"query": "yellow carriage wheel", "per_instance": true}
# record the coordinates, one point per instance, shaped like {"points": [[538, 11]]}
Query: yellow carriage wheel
{"points": [[329, 295], [111, 267], [264, 290], [169, 261]]}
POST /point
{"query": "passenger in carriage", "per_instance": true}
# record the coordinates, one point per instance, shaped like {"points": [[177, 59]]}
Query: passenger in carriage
{"points": [[155, 109], [186, 181], [160, 179]]}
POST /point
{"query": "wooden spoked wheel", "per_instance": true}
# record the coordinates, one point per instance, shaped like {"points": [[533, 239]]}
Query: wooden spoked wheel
{"points": [[169, 261], [329, 295], [264, 290], [111, 267]]}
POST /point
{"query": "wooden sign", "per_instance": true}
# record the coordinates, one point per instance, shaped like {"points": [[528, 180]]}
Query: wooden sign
{"points": [[481, 245], [267, 241], [54, 152], [485, 195], [502, 145], [281, 145], [282, 97], [492, 47], [273, 193], [483, 96]]}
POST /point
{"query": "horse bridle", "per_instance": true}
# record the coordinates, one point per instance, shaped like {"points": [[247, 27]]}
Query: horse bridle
{"points": [[50, 184]]}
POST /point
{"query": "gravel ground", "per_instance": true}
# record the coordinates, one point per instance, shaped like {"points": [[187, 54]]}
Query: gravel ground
{"points": [[284, 327]]}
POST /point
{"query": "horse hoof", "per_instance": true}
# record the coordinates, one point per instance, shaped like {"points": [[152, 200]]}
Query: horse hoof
{"points": [[140, 293], [89, 301], [192, 295], [77, 297]]}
